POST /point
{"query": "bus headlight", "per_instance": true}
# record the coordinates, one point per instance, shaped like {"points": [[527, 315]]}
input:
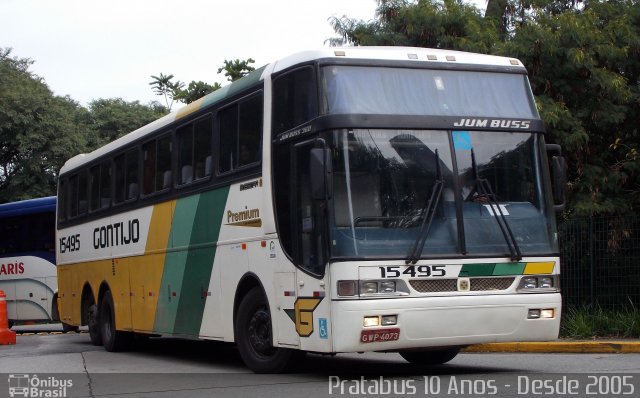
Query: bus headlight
{"points": [[369, 287], [545, 283], [384, 287], [387, 286], [539, 284], [373, 288]]}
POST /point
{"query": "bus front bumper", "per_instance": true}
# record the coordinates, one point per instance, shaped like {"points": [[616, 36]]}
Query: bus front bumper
{"points": [[425, 322]]}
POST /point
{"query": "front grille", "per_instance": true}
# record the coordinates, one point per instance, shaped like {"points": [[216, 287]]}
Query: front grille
{"points": [[434, 285], [482, 284], [451, 285]]}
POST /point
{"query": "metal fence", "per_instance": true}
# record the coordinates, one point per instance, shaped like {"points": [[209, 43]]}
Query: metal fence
{"points": [[600, 261]]}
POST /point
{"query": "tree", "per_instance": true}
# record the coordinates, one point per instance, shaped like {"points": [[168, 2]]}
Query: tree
{"points": [[236, 69], [164, 85], [38, 131], [450, 24], [195, 91], [583, 60], [113, 118]]}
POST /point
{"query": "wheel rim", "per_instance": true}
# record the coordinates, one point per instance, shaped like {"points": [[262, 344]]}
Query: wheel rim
{"points": [[260, 333]]}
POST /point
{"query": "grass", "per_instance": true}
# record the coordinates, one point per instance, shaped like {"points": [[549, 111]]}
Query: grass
{"points": [[593, 321]]}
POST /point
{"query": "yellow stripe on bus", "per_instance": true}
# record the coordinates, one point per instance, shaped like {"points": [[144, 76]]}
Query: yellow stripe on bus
{"points": [[146, 271], [539, 268]]}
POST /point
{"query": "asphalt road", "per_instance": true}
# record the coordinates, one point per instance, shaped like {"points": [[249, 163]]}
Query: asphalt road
{"points": [[166, 367]]}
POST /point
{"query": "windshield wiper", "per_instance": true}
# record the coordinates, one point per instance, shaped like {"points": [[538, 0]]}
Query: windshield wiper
{"points": [[428, 212], [484, 189]]}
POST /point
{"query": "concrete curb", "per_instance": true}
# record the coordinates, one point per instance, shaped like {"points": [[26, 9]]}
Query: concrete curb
{"points": [[578, 347]]}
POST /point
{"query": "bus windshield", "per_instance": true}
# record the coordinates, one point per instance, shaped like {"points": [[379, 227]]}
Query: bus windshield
{"points": [[402, 91], [384, 181]]}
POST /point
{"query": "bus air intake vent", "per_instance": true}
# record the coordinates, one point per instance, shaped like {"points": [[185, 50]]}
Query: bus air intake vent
{"points": [[451, 285]]}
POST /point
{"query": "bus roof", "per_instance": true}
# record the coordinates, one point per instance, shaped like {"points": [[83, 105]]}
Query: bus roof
{"points": [[416, 54], [29, 206]]}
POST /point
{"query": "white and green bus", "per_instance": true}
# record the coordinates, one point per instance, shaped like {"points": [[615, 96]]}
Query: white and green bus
{"points": [[339, 200]]}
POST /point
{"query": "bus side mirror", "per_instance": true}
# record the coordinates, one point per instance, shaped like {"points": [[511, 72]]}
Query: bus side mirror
{"points": [[320, 172], [558, 176]]}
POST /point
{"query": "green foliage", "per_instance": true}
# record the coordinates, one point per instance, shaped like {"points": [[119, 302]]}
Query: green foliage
{"points": [[113, 118], [451, 24], [594, 321], [165, 86], [583, 60], [236, 69], [39, 131], [195, 91]]}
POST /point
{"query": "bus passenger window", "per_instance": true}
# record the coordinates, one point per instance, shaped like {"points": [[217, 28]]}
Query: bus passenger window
{"points": [[131, 174], [94, 184], [240, 134], [185, 154], [163, 165], [126, 181], [119, 184], [203, 161], [228, 138], [83, 200], [73, 196], [62, 200], [105, 184], [294, 99], [149, 168], [250, 130]]}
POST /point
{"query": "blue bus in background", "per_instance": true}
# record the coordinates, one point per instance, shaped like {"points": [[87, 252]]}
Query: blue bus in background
{"points": [[28, 260]]}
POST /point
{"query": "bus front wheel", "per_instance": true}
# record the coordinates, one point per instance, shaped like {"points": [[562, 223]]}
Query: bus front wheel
{"points": [[254, 337], [427, 358], [112, 339]]}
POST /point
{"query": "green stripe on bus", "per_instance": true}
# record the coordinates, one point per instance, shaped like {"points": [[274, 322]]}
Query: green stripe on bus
{"points": [[195, 283], [509, 269], [477, 270], [174, 264]]}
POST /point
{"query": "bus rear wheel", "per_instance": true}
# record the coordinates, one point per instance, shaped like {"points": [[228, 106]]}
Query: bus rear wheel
{"points": [[428, 358], [254, 337], [92, 323], [112, 339]]}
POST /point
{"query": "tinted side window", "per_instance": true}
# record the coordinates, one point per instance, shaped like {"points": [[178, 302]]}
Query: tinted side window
{"points": [[126, 179], [164, 177], [185, 154], [105, 184], [228, 138], [100, 186], [194, 151], [294, 99], [83, 199], [94, 183], [250, 131], [149, 167], [156, 173], [240, 134], [62, 200], [203, 161]]}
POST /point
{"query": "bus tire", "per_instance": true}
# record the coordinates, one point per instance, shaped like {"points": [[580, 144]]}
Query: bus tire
{"points": [[94, 327], [429, 358], [113, 340], [254, 337]]}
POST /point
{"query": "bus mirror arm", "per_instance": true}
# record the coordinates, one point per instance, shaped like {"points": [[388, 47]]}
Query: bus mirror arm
{"points": [[558, 175], [320, 172]]}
